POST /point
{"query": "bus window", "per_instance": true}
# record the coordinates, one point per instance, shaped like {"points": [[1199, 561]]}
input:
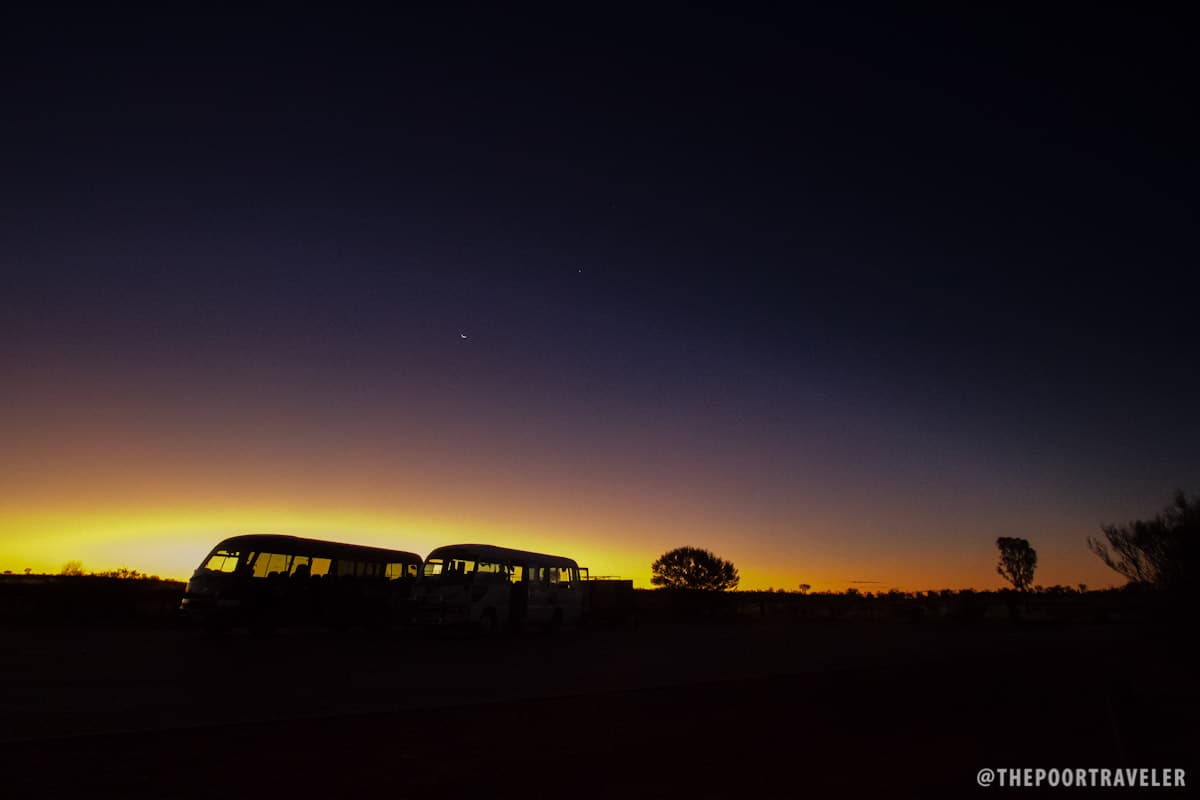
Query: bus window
{"points": [[396, 570], [267, 564], [301, 565], [319, 567], [412, 570], [517, 574], [370, 569], [485, 567], [222, 561], [537, 574], [348, 569]]}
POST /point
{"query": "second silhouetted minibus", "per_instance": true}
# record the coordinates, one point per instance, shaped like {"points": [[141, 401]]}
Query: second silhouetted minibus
{"points": [[491, 587]]}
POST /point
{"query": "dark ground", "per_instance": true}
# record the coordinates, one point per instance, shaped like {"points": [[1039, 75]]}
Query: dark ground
{"points": [[718, 710]]}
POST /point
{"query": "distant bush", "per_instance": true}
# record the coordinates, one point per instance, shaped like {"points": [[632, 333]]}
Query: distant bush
{"points": [[125, 573]]}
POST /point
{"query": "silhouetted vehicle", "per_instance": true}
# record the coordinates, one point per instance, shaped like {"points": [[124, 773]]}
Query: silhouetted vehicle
{"points": [[264, 581], [486, 586]]}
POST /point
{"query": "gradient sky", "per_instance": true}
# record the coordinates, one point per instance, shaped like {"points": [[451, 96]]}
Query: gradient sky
{"points": [[842, 297]]}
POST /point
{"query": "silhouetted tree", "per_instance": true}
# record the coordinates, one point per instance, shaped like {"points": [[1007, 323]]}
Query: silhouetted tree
{"points": [[804, 587], [693, 568], [73, 568], [1161, 552], [1017, 562]]}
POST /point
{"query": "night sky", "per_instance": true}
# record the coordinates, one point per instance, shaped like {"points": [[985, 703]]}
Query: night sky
{"points": [[842, 296]]}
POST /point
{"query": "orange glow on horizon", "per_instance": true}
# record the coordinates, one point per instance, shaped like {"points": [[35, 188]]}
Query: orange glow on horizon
{"points": [[149, 473], [171, 541]]}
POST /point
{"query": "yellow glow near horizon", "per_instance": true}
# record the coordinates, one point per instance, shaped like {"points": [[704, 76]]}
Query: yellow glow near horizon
{"points": [[170, 541]]}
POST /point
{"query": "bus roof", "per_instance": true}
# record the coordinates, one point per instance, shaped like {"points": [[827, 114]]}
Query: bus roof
{"points": [[317, 547], [490, 552]]}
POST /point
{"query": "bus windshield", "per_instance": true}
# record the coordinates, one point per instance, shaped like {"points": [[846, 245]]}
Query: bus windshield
{"points": [[222, 561]]}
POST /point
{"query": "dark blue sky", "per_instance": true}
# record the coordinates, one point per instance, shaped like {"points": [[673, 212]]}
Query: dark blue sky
{"points": [[969, 228]]}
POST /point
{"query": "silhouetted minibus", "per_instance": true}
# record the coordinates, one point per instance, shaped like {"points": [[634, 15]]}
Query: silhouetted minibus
{"points": [[264, 581], [488, 586]]}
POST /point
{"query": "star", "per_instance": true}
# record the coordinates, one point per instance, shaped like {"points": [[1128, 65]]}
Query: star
{"points": [[463, 335]]}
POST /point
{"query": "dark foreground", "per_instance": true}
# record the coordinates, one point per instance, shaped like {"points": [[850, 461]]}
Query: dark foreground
{"points": [[662, 711]]}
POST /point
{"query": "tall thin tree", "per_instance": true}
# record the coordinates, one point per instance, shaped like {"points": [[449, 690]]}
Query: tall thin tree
{"points": [[1017, 562]]}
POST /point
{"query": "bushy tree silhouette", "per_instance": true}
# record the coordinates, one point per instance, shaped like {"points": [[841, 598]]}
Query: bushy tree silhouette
{"points": [[1161, 552], [693, 568], [1017, 562], [74, 568]]}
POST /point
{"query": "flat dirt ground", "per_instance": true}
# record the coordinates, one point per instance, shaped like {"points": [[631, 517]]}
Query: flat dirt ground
{"points": [[716, 710]]}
